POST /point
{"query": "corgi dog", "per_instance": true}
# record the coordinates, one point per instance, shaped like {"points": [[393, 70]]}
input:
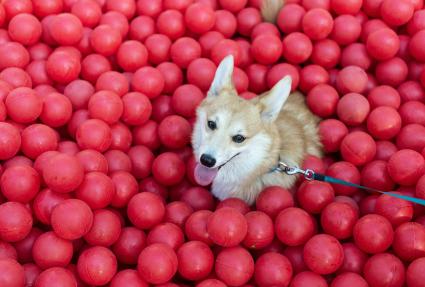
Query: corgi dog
{"points": [[237, 143]]}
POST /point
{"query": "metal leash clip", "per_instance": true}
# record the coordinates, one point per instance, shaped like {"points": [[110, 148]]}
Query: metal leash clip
{"points": [[291, 170]]}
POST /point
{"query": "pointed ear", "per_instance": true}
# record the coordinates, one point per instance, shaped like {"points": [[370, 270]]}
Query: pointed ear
{"points": [[223, 76], [273, 101]]}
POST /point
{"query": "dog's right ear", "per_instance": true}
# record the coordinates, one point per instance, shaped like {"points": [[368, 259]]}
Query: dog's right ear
{"points": [[223, 77]]}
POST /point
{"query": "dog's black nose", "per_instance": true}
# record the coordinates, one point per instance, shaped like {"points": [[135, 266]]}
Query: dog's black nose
{"points": [[207, 160]]}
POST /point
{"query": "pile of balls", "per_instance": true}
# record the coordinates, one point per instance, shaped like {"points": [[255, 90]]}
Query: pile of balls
{"points": [[97, 103]]}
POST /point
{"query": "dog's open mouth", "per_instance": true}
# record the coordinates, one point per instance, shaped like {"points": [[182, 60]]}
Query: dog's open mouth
{"points": [[205, 176]]}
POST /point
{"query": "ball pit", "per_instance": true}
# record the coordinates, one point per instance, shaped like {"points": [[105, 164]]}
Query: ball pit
{"points": [[97, 104]]}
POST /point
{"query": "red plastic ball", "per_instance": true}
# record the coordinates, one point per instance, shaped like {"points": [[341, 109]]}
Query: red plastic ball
{"points": [[227, 227], [171, 24], [145, 210], [66, 29], [118, 161], [358, 148], [105, 230], [273, 200], [338, 219], [63, 173], [15, 221], [94, 134], [224, 48], [383, 44], [234, 266], [396, 210], [384, 96], [294, 226], [323, 254], [391, 72], [157, 254], [396, 13], [10, 141], [196, 226], [20, 183], [279, 71], [105, 40], [346, 29], [349, 279], [167, 233], [414, 273], [147, 135], [260, 230], [128, 277], [384, 269], [247, 19], [25, 29], [54, 275], [199, 18], [44, 203], [353, 109], [290, 18], [326, 53], [13, 54], [332, 133], [198, 198], [346, 7], [356, 55], [235, 203], [174, 132], [323, 100], [296, 48], [354, 259], [317, 23], [409, 241], [49, 250], [406, 166], [267, 49], [273, 269], [308, 278], [130, 243], [168, 169], [347, 172], [148, 81], [178, 212], [57, 110], [158, 46], [63, 67], [196, 260], [97, 265], [78, 216], [23, 105], [412, 112], [373, 233], [344, 81], [375, 175], [312, 76]]}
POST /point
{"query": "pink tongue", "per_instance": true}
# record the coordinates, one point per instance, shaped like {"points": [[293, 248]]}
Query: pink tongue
{"points": [[204, 175]]}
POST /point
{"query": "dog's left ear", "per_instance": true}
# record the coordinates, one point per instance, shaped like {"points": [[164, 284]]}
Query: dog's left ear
{"points": [[273, 101], [223, 76]]}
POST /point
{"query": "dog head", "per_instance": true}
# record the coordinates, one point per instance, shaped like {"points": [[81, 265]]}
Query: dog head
{"points": [[231, 132]]}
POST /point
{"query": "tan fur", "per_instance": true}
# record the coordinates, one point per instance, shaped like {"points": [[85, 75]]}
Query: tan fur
{"points": [[270, 9]]}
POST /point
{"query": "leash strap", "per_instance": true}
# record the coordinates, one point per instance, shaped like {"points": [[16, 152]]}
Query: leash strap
{"points": [[311, 175]]}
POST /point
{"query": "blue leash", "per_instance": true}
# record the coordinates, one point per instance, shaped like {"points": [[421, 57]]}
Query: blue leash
{"points": [[311, 175]]}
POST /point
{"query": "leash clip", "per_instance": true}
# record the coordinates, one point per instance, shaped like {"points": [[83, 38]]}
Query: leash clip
{"points": [[291, 170]]}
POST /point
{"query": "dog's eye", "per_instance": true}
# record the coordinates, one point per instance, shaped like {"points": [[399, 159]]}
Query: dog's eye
{"points": [[212, 125], [238, 138]]}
